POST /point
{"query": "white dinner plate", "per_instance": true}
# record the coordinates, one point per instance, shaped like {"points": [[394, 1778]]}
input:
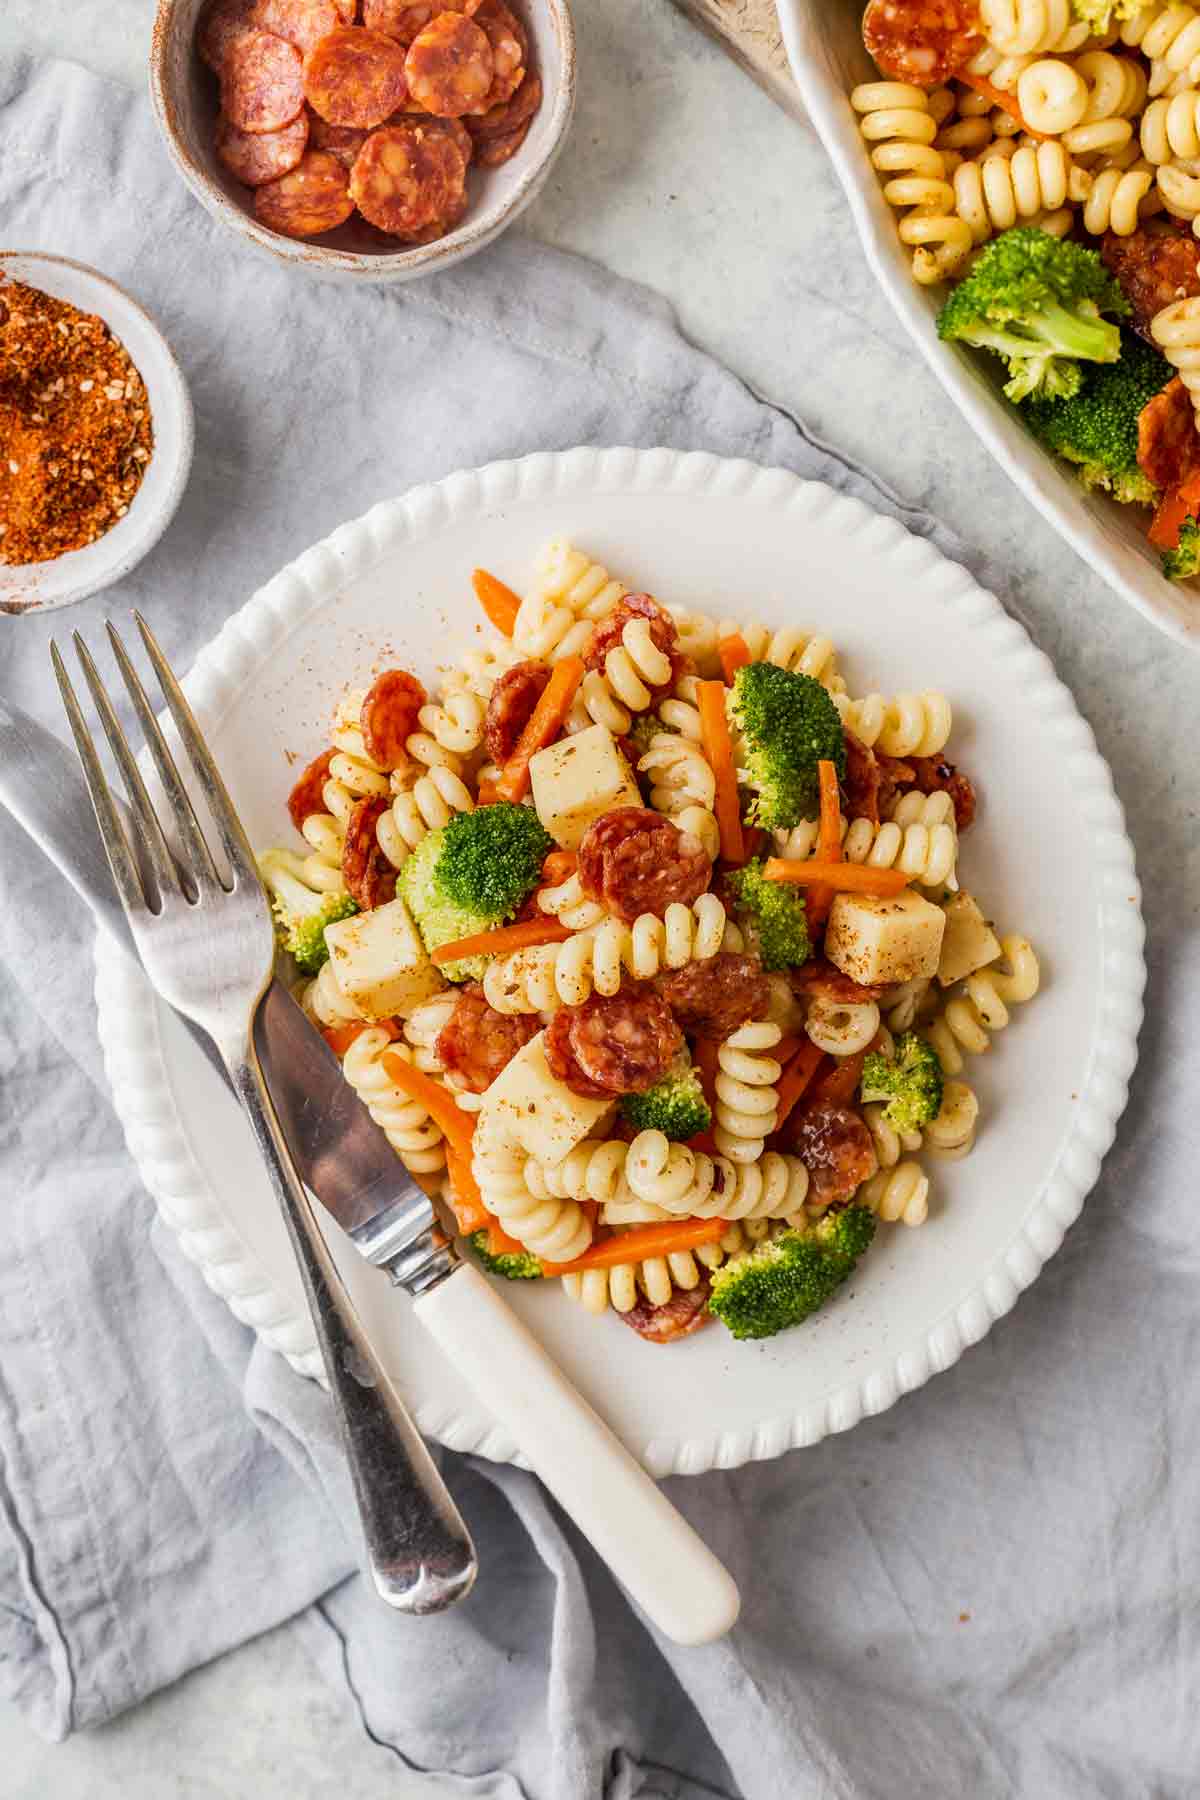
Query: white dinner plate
{"points": [[1049, 856], [825, 49]]}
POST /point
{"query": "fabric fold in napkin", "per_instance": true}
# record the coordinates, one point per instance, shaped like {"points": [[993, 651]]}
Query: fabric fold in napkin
{"points": [[925, 1599]]}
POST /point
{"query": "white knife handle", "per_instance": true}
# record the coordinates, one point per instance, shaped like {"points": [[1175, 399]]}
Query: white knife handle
{"points": [[648, 1545]]}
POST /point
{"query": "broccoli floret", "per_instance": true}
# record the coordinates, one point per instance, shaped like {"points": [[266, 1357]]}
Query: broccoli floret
{"points": [[1183, 562], [1097, 428], [774, 913], [911, 1082], [300, 914], [788, 724], [439, 919], [1101, 15], [780, 1282], [510, 1264], [472, 875], [644, 729], [1036, 300], [675, 1105]]}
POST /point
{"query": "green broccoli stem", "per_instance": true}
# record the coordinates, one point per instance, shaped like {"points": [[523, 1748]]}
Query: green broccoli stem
{"points": [[1057, 329]]}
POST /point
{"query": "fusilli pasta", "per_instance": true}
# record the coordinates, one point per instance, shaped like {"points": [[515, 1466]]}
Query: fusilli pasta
{"points": [[899, 1195], [553, 1228], [412, 1133], [683, 786], [966, 1019], [745, 1091], [904, 725], [687, 1183]]}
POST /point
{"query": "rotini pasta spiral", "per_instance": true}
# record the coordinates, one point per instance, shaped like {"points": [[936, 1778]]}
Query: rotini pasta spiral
{"points": [[454, 722], [905, 725], [656, 1278], [594, 960], [680, 711], [287, 876], [687, 1184], [1176, 331], [746, 1097], [919, 838], [898, 1196], [1025, 27], [553, 1228], [594, 1170], [889, 1143], [324, 1001], [966, 1020], [1116, 92], [902, 1005], [1171, 127], [683, 786], [611, 698], [800, 652], [421, 804], [1168, 35], [413, 1135], [423, 1027], [952, 1133], [840, 1027], [992, 194], [480, 670], [1053, 96], [570, 593], [897, 120], [1118, 199], [567, 902]]}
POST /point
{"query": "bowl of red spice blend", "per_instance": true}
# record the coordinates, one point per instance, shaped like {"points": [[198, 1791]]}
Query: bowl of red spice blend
{"points": [[96, 432]]}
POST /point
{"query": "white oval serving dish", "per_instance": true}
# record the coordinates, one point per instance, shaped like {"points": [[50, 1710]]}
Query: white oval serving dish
{"points": [[1049, 854], [825, 49]]}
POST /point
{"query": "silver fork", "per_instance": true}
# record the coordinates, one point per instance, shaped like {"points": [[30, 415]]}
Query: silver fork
{"points": [[208, 948]]}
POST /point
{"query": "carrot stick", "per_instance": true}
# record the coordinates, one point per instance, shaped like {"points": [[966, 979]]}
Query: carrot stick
{"points": [[521, 936], [717, 747], [340, 1037], [796, 1080], [440, 1104], [840, 1085], [469, 1211], [829, 841], [500, 1244], [545, 723], [559, 864], [786, 1048], [733, 653], [643, 1241], [998, 97], [843, 878], [498, 602]]}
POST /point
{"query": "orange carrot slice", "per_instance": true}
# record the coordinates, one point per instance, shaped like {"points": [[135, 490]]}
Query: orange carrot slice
{"points": [[500, 1244], [796, 1079], [843, 878], [545, 723], [829, 841], [438, 1102], [340, 1037], [643, 1241], [498, 602], [470, 1214], [1174, 507], [718, 748], [733, 653], [558, 865], [521, 936]]}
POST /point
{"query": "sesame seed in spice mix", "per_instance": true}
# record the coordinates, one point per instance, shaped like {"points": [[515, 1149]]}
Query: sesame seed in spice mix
{"points": [[75, 429]]}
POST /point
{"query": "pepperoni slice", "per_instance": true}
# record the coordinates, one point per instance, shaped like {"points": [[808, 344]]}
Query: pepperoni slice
{"points": [[314, 197], [450, 66], [509, 49], [302, 23], [262, 82], [346, 10], [1168, 442], [634, 861], [408, 177], [256, 157], [1152, 269], [308, 794], [863, 778], [389, 716], [686, 1311], [934, 775], [835, 1147], [223, 23], [493, 151], [562, 1061], [501, 121], [922, 41], [711, 999], [342, 141], [511, 705], [369, 876], [355, 77], [454, 129], [613, 1044], [403, 19], [819, 976], [477, 1042]]}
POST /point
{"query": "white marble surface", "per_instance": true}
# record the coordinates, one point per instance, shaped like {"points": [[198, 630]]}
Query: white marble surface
{"points": [[682, 174]]}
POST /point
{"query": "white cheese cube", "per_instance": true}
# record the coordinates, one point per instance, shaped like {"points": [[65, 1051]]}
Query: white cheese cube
{"points": [[576, 780], [379, 962], [528, 1105], [882, 941], [969, 943]]}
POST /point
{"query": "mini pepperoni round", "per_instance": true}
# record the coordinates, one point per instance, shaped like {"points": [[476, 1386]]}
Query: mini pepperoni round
{"points": [[223, 23], [511, 705], [389, 716], [922, 41], [407, 177], [342, 141], [257, 157], [262, 82], [494, 151], [314, 197], [562, 1061], [820, 978], [302, 23], [450, 66], [623, 1043], [454, 129], [477, 1042], [308, 793], [503, 120], [509, 50], [714, 998], [403, 19], [835, 1147], [635, 861], [686, 1311], [369, 876], [355, 77]]}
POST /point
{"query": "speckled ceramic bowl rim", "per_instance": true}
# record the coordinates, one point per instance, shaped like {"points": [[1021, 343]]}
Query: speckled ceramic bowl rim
{"points": [[174, 436], [325, 259]]}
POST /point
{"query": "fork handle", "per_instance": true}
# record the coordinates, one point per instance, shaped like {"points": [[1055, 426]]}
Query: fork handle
{"points": [[419, 1550]]}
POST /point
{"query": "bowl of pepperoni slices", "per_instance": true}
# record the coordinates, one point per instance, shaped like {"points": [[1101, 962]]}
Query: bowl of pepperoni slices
{"points": [[374, 140]]}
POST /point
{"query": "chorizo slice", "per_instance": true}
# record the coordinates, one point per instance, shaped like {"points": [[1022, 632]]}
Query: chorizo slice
{"points": [[502, 120], [477, 1042], [714, 998], [621, 1043], [407, 177], [223, 23], [493, 151], [1152, 268], [561, 1059], [302, 23], [686, 1311], [509, 49], [924, 42], [342, 141], [312, 198], [403, 19], [450, 66], [262, 82], [308, 791], [818, 976], [257, 157], [863, 778], [389, 716], [511, 705], [347, 11], [369, 876], [355, 77], [835, 1146], [934, 775], [635, 861], [1168, 442], [454, 129]]}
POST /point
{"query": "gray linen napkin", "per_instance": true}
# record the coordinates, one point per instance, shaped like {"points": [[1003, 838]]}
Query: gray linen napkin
{"points": [[1047, 1486]]}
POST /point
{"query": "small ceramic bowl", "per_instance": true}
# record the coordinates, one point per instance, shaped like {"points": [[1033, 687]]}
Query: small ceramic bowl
{"points": [[185, 103], [29, 586]]}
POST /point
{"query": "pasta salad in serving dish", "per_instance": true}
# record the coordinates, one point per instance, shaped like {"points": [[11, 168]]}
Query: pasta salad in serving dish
{"points": [[1044, 160], [645, 943]]}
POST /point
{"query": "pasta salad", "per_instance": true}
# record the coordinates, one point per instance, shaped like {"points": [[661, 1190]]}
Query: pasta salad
{"points": [[645, 943], [1044, 159]]}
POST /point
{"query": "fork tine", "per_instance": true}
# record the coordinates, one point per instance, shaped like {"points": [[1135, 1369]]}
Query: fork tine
{"points": [[112, 829], [147, 829], [229, 826], [197, 855]]}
